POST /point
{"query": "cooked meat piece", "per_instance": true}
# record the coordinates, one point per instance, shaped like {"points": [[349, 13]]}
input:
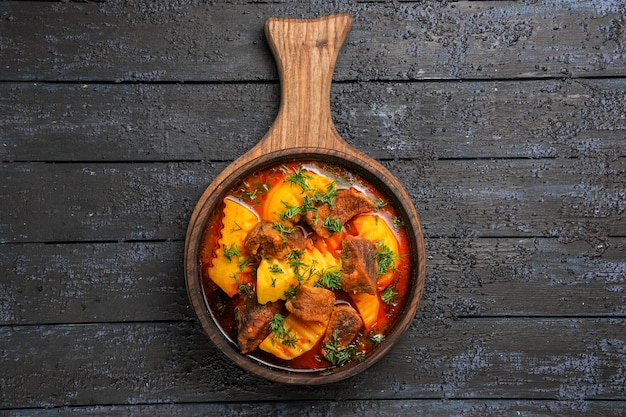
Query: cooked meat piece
{"points": [[348, 203], [312, 303], [253, 322], [316, 222], [267, 239], [345, 323], [359, 270]]}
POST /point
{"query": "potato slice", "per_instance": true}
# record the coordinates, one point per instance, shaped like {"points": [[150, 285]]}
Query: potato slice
{"points": [[288, 194], [368, 306], [273, 278], [282, 195], [375, 228], [229, 264], [303, 334], [317, 263]]}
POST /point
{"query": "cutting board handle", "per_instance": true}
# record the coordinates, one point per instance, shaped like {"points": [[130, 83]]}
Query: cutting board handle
{"points": [[305, 51]]}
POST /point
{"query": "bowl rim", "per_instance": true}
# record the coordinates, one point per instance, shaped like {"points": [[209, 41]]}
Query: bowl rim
{"points": [[384, 182]]}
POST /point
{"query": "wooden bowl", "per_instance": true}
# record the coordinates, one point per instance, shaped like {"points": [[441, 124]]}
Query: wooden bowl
{"points": [[305, 52]]}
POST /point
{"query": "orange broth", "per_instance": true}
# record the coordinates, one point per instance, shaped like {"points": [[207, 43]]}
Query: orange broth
{"points": [[252, 191]]}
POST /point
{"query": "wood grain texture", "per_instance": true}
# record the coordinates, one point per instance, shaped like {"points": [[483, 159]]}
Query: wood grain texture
{"points": [[381, 408], [467, 277], [50, 202], [305, 51], [92, 283], [422, 120], [222, 41], [503, 120], [143, 363], [566, 198]]}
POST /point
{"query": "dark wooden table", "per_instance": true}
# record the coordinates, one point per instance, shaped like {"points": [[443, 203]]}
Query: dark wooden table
{"points": [[505, 121]]}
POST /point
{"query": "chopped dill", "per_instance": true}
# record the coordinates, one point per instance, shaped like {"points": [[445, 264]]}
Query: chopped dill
{"points": [[334, 225], [339, 356], [311, 271], [275, 269], [290, 211], [295, 254], [330, 279], [290, 292], [316, 219], [237, 228], [229, 252], [252, 195], [280, 332], [397, 223], [388, 296], [376, 338], [252, 192], [327, 197], [299, 177], [243, 263], [244, 289], [283, 229], [294, 259], [386, 258], [379, 204]]}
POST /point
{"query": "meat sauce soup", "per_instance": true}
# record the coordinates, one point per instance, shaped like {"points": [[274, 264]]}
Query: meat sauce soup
{"points": [[305, 266]]}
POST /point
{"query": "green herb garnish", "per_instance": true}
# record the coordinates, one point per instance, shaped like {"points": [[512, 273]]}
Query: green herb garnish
{"points": [[388, 296], [340, 356], [242, 263], [237, 228], [328, 197], [299, 177], [295, 254], [334, 225], [244, 289], [386, 258], [290, 292], [230, 252], [280, 332], [251, 192], [376, 338], [397, 223], [290, 211], [379, 204], [283, 230], [294, 259], [330, 279]]}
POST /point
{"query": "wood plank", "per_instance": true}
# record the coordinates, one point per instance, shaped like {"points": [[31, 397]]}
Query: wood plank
{"points": [[565, 360], [91, 283], [381, 408], [122, 122], [467, 277], [471, 277], [547, 197], [101, 201], [219, 42], [421, 120], [565, 198]]}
